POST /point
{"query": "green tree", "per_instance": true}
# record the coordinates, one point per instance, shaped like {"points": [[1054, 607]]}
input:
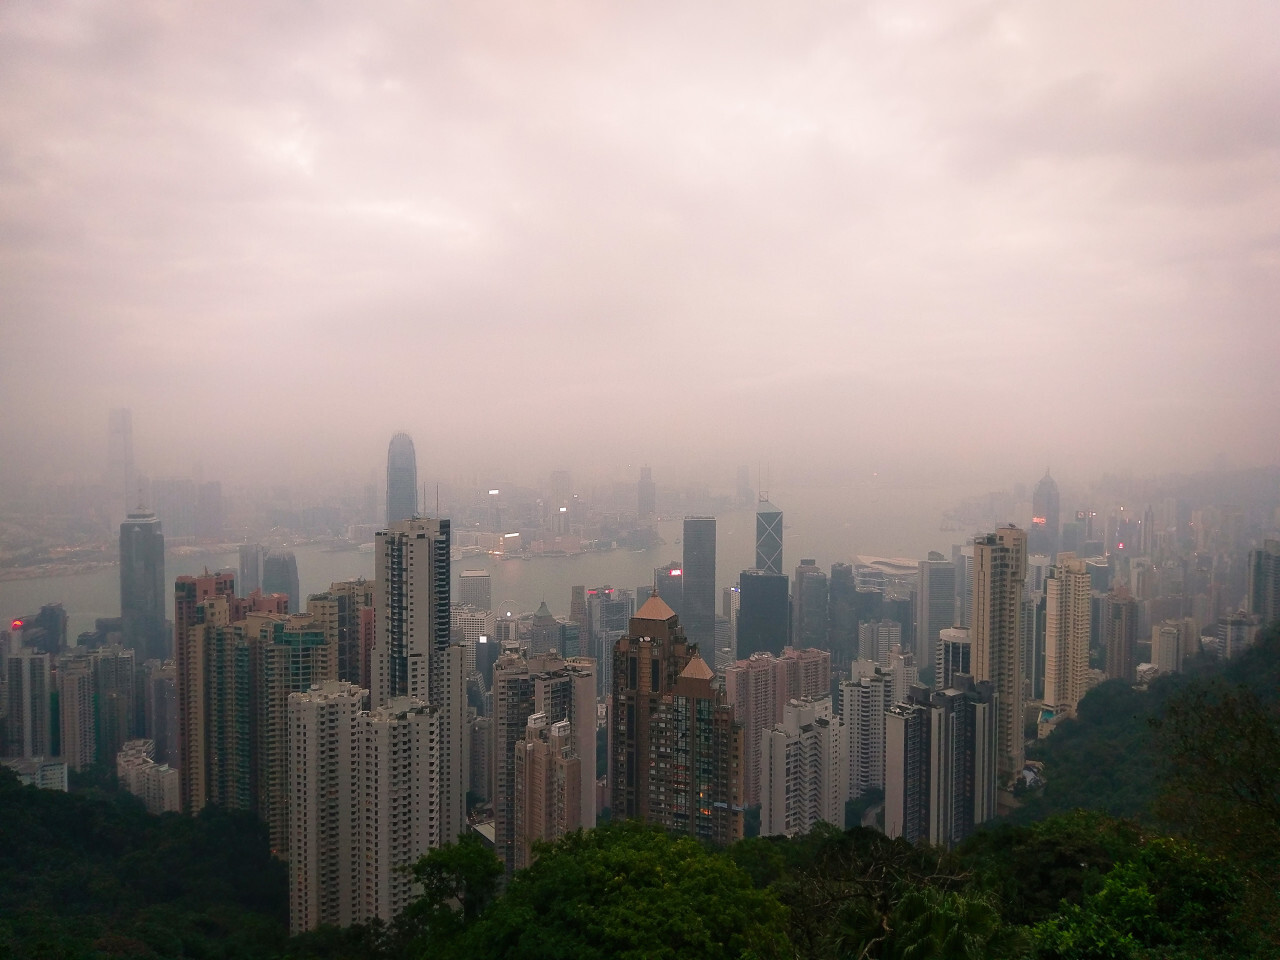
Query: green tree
{"points": [[630, 892]]}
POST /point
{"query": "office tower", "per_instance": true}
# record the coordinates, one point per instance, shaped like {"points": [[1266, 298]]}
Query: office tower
{"points": [[954, 656], [804, 780], [763, 616], [999, 570], [280, 575], [413, 653], [44, 632], [906, 775], [560, 689], [876, 638], [675, 751], [474, 589], [935, 605], [252, 557], [744, 496], [142, 620], [646, 496], [864, 700], [1043, 536], [1120, 636], [544, 634], [324, 818], [668, 580], [28, 728], [76, 715], [1263, 598], [402, 479], [115, 692], [1067, 630], [699, 610], [122, 491], [809, 626], [160, 695], [339, 610], [155, 784], [578, 610], [842, 615], [548, 786], [768, 537]]}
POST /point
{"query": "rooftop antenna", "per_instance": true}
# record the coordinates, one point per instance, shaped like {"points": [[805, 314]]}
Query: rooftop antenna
{"points": [[437, 499]]}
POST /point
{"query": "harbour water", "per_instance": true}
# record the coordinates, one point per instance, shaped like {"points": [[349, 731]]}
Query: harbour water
{"points": [[826, 524]]}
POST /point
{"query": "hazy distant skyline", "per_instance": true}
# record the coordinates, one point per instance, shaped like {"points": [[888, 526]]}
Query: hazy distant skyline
{"points": [[950, 239]]}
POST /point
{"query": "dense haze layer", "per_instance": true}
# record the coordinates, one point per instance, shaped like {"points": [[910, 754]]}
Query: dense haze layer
{"points": [[963, 238]]}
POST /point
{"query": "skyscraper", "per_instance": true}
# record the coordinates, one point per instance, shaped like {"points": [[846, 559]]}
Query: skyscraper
{"points": [[252, 556], [999, 572], [675, 752], [1264, 582], [142, 587], [474, 588], [939, 763], [402, 479], [935, 605], [763, 613], [1043, 538], [1120, 627], [1067, 628], [809, 627], [864, 700], [413, 653], [699, 614], [280, 575], [768, 537]]}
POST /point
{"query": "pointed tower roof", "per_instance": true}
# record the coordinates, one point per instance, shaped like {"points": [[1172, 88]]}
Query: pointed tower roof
{"points": [[697, 669], [655, 608]]}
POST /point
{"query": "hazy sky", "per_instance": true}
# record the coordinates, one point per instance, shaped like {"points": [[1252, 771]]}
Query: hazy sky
{"points": [[861, 236]]}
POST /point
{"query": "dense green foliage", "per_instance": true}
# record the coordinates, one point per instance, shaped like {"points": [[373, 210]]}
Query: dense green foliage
{"points": [[1174, 853], [94, 875]]}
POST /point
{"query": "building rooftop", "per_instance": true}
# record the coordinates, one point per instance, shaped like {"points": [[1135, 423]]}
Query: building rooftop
{"points": [[655, 608]]}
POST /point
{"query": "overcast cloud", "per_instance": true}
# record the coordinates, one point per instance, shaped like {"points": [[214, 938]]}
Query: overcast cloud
{"points": [[829, 236]]}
